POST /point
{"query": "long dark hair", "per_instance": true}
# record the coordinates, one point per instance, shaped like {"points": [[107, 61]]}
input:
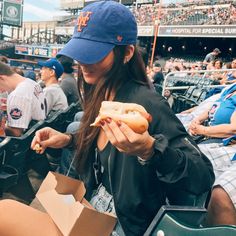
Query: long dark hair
{"points": [[93, 95]]}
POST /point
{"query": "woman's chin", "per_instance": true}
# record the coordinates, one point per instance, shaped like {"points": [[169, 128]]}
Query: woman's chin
{"points": [[89, 79]]}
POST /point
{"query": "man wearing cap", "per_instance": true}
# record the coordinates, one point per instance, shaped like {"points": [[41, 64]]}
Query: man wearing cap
{"points": [[158, 77], [25, 102], [55, 97], [211, 56], [67, 80]]}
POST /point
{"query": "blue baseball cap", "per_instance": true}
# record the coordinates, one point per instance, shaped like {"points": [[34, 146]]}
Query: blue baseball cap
{"points": [[54, 64], [100, 27]]}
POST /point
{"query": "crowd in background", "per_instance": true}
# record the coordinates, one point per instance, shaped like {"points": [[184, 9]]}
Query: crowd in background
{"points": [[221, 14], [192, 13]]}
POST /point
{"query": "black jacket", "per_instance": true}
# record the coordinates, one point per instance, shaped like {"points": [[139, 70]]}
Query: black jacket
{"points": [[140, 190]]}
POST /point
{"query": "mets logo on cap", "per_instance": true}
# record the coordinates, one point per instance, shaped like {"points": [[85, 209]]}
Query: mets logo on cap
{"points": [[83, 19]]}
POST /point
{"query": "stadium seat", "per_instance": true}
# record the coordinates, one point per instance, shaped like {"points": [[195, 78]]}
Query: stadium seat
{"points": [[179, 99], [59, 121], [8, 174], [196, 97], [184, 221], [15, 156], [62, 118]]}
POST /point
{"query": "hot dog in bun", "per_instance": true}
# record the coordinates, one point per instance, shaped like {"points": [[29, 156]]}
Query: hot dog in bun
{"points": [[132, 114]]}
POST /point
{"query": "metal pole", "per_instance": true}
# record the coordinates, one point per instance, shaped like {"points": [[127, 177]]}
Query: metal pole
{"points": [[1, 24], [156, 27]]}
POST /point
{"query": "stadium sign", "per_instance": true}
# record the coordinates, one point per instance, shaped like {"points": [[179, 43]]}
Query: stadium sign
{"points": [[12, 12], [64, 30], [22, 50], [145, 31], [144, 1], [207, 31], [37, 51]]}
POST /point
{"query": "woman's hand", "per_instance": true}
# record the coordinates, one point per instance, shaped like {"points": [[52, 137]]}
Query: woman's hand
{"points": [[48, 137], [126, 140], [196, 129]]}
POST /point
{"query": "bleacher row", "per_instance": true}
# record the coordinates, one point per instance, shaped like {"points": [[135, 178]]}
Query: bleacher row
{"points": [[195, 92], [17, 158], [197, 13]]}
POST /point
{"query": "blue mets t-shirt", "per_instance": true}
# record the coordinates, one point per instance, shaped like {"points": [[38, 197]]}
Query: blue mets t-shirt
{"points": [[221, 112]]}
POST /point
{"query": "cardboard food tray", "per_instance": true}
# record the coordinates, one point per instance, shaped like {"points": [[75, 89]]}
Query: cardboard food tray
{"points": [[63, 199]]}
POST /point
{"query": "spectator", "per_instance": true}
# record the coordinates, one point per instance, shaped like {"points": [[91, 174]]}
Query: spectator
{"points": [[30, 74], [187, 116], [222, 116], [230, 78], [158, 77], [25, 101], [68, 82], [55, 97], [217, 65], [210, 57], [138, 170]]}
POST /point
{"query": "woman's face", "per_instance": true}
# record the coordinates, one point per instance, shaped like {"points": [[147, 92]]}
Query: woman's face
{"points": [[233, 64], [45, 73], [92, 73], [218, 65]]}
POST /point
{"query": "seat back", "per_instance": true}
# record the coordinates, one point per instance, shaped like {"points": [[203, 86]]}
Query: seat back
{"points": [[16, 148], [184, 221], [14, 156], [62, 118]]}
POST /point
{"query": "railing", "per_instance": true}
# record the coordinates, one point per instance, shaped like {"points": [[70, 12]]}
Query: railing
{"points": [[178, 76]]}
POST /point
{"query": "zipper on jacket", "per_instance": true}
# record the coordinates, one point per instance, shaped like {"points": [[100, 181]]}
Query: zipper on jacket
{"points": [[96, 166], [186, 139], [109, 173]]}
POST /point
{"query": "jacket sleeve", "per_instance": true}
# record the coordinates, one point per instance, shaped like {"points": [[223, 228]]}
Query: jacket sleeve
{"points": [[178, 160]]}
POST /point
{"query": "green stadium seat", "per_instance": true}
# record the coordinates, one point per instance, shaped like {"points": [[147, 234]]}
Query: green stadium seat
{"points": [[185, 221]]}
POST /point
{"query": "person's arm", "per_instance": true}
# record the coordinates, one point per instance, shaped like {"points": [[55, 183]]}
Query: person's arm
{"points": [[218, 131], [48, 137], [11, 131], [206, 61], [189, 110], [230, 81], [49, 99], [19, 115], [201, 118]]}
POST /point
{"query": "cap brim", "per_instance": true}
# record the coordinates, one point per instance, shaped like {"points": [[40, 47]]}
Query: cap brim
{"points": [[86, 51]]}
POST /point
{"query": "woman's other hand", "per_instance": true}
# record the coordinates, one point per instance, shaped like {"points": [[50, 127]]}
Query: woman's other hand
{"points": [[196, 129], [126, 140], [48, 137]]}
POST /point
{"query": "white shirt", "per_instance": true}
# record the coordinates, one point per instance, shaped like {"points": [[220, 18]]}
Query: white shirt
{"points": [[55, 97], [24, 104]]}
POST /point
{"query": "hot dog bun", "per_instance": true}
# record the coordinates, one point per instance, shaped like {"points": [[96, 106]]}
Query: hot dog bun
{"points": [[132, 114]]}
